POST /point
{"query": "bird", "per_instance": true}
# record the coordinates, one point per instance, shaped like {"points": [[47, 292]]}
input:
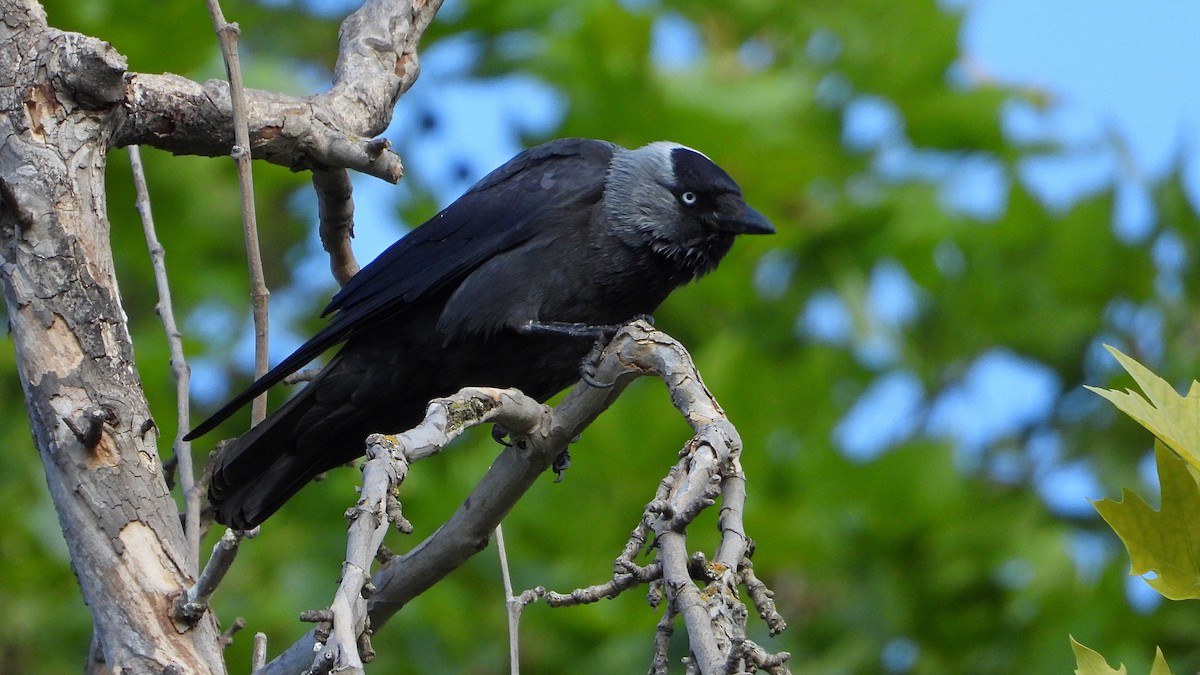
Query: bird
{"points": [[508, 286]]}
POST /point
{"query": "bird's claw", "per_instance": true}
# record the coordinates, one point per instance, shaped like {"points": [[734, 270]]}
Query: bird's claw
{"points": [[561, 464], [500, 435], [564, 329], [588, 375], [587, 369], [568, 329]]}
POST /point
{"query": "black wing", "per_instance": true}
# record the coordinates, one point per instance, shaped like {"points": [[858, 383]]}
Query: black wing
{"points": [[492, 217]]}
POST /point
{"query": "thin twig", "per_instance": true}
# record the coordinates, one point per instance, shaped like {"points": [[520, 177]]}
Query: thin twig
{"points": [[258, 657], [763, 598], [619, 583], [192, 603], [179, 366], [227, 34], [661, 663], [512, 609], [227, 636]]}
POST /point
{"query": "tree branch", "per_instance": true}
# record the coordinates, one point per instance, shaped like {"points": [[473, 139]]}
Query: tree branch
{"points": [[539, 435], [467, 531], [192, 603], [335, 209], [708, 468], [181, 449], [377, 62], [227, 35]]}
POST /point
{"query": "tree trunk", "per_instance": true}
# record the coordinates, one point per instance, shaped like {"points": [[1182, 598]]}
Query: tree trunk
{"points": [[90, 420]]}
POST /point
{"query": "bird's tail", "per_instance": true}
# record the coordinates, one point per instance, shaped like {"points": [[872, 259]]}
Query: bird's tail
{"points": [[260, 470]]}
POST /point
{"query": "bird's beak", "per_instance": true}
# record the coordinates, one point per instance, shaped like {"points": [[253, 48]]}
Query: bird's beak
{"points": [[745, 220]]}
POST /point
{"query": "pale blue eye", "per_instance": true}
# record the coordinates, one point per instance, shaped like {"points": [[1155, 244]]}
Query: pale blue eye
{"points": [[688, 198]]}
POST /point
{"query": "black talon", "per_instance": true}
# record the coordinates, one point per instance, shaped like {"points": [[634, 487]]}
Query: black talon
{"points": [[590, 380], [561, 464], [499, 434]]}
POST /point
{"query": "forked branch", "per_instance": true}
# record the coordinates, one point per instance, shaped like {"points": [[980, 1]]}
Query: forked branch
{"points": [[708, 469]]}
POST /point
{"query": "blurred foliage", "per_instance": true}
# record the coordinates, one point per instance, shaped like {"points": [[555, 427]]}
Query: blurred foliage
{"points": [[917, 561]]}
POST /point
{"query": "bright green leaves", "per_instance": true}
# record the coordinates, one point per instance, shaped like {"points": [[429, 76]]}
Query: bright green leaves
{"points": [[1165, 542], [1090, 662], [1174, 419]]}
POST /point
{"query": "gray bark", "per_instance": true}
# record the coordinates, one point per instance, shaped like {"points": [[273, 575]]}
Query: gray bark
{"points": [[91, 423]]}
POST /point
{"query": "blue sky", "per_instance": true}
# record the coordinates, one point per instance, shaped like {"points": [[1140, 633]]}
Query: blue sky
{"points": [[1114, 67]]}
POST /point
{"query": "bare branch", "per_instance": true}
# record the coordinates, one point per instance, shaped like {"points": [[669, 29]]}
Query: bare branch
{"points": [[512, 605], [514, 471], [776, 664], [258, 657], [192, 604], [185, 117], [227, 34], [714, 617], [762, 597], [620, 582], [376, 64], [661, 663], [384, 470], [227, 637], [708, 468], [335, 208], [345, 624], [179, 367]]}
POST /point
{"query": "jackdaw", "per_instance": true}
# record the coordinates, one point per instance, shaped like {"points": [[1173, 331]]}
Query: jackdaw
{"points": [[503, 288]]}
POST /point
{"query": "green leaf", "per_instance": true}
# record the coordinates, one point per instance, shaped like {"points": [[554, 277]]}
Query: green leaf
{"points": [[1167, 541], [1160, 666], [1090, 662], [1174, 419]]}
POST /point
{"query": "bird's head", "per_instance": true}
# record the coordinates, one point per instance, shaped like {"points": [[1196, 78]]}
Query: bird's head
{"points": [[679, 203]]}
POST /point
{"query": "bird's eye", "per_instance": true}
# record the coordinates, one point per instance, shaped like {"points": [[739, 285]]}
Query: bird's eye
{"points": [[688, 198]]}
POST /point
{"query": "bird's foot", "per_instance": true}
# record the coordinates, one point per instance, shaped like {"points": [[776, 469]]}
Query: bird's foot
{"points": [[567, 329], [601, 334], [579, 329], [587, 368]]}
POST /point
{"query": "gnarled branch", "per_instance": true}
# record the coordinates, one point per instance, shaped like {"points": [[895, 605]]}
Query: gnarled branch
{"points": [[377, 62], [714, 618]]}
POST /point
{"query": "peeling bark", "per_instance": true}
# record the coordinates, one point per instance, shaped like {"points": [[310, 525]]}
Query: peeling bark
{"points": [[91, 423]]}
